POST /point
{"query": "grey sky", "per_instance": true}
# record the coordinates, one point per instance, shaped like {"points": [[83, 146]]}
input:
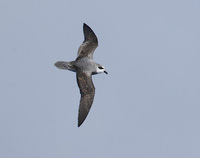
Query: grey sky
{"points": [[147, 107]]}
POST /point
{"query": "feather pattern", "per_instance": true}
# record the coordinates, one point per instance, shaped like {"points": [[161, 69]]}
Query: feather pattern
{"points": [[87, 91], [89, 44]]}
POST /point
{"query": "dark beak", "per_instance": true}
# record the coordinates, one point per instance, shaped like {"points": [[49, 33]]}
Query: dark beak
{"points": [[105, 72]]}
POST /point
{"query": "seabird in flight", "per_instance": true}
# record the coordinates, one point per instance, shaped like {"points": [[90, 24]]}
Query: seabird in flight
{"points": [[85, 67]]}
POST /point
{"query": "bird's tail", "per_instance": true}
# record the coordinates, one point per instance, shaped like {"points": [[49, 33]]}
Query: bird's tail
{"points": [[65, 65]]}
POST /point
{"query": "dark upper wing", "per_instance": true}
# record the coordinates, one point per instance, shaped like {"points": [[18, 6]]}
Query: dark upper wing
{"points": [[89, 44], [87, 91]]}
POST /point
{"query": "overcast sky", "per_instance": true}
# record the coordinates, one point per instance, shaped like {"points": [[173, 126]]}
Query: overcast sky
{"points": [[147, 107]]}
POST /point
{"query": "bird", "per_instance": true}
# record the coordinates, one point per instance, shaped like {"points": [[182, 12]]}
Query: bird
{"points": [[84, 67]]}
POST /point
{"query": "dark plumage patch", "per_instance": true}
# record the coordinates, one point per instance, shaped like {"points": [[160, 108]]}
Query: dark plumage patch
{"points": [[87, 91]]}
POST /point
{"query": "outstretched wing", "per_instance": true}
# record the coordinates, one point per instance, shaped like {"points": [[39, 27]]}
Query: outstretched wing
{"points": [[89, 44], [87, 91]]}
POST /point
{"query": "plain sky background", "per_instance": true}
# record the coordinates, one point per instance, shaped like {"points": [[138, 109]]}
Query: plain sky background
{"points": [[147, 107]]}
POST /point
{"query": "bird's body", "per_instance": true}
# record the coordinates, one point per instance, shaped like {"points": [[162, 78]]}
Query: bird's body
{"points": [[85, 67]]}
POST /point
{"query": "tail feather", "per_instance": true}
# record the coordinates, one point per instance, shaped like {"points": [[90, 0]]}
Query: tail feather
{"points": [[65, 65]]}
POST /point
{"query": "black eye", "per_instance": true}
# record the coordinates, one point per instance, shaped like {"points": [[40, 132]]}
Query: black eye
{"points": [[100, 67]]}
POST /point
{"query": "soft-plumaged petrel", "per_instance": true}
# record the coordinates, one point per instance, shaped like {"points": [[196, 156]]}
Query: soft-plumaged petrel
{"points": [[85, 67]]}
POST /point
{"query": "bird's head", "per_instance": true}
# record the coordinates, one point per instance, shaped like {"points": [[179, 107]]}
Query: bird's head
{"points": [[101, 69]]}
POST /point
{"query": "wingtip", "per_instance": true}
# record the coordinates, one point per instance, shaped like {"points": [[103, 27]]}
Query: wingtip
{"points": [[84, 24], [89, 33], [79, 124], [80, 121]]}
